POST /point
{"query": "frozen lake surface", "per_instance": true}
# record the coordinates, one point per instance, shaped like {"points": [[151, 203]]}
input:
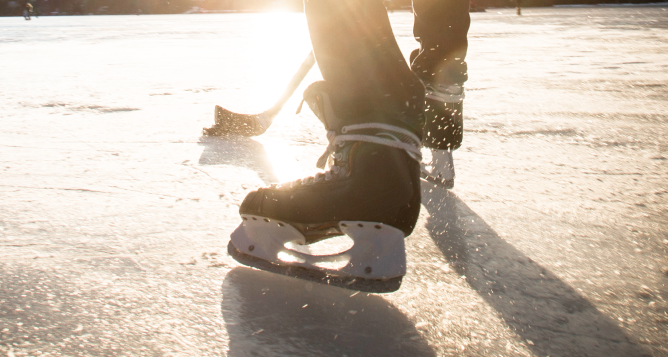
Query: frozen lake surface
{"points": [[115, 213]]}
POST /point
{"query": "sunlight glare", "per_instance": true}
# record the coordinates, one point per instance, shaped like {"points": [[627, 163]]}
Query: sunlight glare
{"points": [[283, 158], [290, 258], [283, 39]]}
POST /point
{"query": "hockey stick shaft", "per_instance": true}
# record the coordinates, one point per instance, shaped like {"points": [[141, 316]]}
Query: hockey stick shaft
{"points": [[292, 86]]}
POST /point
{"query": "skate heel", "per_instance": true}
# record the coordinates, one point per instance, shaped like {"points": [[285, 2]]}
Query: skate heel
{"points": [[378, 252]]}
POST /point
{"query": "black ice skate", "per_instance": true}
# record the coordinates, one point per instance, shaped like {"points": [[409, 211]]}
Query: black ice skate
{"points": [[443, 132], [371, 193]]}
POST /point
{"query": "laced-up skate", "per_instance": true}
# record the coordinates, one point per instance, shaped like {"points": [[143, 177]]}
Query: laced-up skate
{"points": [[443, 132], [371, 193]]}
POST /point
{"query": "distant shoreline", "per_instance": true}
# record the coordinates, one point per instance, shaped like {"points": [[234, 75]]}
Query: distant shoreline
{"points": [[650, 4], [189, 12]]}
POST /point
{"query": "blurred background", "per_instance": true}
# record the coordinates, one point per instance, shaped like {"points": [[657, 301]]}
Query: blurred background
{"points": [[112, 7]]}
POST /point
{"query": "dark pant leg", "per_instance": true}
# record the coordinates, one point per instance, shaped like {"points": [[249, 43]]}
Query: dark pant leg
{"points": [[441, 27], [368, 77]]}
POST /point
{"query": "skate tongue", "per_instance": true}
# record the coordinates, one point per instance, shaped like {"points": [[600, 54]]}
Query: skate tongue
{"points": [[299, 108]]}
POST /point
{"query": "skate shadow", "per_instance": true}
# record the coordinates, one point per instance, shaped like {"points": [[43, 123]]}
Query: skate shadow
{"points": [[272, 315], [534, 302], [237, 151]]}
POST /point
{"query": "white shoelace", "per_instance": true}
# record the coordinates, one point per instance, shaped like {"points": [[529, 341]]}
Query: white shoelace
{"points": [[410, 142]]}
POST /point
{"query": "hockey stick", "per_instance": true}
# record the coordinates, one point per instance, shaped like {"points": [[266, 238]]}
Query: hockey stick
{"points": [[230, 123]]}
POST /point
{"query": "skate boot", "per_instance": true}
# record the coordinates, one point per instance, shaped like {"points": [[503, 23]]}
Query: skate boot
{"points": [[443, 132], [371, 193]]}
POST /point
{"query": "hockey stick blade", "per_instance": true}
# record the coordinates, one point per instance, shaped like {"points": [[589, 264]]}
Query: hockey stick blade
{"points": [[357, 284], [231, 123]]}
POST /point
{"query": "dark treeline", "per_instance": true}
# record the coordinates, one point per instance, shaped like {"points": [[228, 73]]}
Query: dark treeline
{"points": [[112, 7]]}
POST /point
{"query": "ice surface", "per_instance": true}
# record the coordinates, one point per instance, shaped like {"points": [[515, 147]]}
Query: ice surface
{"points": [[115, 213]]}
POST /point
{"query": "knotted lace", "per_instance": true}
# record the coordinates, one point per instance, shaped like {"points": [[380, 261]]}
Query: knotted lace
{"points": [[388, 135]]}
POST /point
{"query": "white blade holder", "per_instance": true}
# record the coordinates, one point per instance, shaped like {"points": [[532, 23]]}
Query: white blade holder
{"points": [[378, 251]]}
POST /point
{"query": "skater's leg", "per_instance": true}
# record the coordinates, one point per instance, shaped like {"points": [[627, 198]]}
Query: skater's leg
{"points": [[359, 58], [371, 104], [372, 107], [441, 27]]}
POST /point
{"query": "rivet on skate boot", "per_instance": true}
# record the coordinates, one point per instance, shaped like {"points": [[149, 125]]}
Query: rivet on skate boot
{"points": [[360, 225], [377, 226], [251, 248], [255, 219], [244, 218], [266, 220], [281, 224], [367, 270], [344, 225]]}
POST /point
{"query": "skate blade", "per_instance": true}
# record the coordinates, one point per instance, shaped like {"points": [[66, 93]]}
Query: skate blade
{"points": [[447, 184], [315, 275], [378, 251]]}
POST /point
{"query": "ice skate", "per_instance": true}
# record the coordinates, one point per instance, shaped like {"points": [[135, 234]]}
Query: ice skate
{"points": [[443, 132], [371, 193]]}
